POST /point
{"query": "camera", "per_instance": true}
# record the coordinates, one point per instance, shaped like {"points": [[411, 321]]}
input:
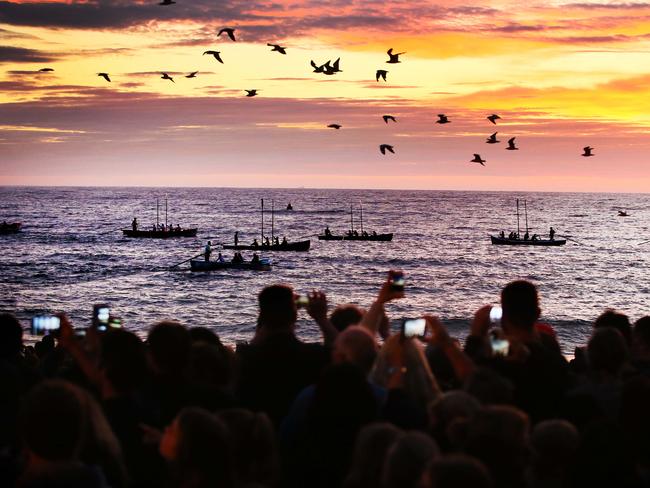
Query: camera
{"points": [[45, 324], [397, 281], [414, 327]]}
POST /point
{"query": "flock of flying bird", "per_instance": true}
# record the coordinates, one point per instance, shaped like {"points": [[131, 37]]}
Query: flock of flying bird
{"points": [[331, 68]]}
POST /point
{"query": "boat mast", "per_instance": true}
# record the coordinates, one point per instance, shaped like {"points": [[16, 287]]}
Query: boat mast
{"points": [[351, 220], [157, 212], [517, 217], [272, 219], [262, 219], [526, 214], [361, 212], [165, 212]]}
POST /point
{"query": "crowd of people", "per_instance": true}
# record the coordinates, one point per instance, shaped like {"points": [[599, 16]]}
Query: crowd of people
{"points": [[365, 407]]}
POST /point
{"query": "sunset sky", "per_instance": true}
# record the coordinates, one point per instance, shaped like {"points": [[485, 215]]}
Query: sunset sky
{"points": [[561, 75]]}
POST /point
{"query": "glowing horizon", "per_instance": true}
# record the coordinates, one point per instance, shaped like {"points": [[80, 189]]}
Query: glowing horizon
{"points": [[562, 75]]}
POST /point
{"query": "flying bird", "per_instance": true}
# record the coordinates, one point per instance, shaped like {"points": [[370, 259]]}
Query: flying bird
{"points": [[442, 119], [381, 73], [477, 159], [278, 48], [386, 147], [44, 70], [388, 117], [511, 145], [229, 31], [167, 2], [335, 126], [493, 118], [192, 74], [393, 58], [587, 151], [165, 76], [251, 93], [333, 68], [215, 54], [105, 76], [492, 139], [318, 69]]}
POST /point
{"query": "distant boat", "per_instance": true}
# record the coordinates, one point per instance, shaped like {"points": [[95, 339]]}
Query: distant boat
{"points": [[352, 235], [622, 213], [297, 246], [289, 206], [503, 240], [200, 265], [10, 228], [158, 233]]}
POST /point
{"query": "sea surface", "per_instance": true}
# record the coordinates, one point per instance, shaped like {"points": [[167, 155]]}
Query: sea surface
{"points": [[71, 254]]}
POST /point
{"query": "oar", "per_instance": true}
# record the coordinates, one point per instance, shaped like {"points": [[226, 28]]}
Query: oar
{"points": [[572, 240], [193, 257]]}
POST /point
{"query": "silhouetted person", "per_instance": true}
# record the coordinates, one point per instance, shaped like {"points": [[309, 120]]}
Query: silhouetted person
{"points": [[134, 224]]}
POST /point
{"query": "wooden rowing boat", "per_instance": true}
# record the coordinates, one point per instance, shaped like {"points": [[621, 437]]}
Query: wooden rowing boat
{"points": [[261, 265]]}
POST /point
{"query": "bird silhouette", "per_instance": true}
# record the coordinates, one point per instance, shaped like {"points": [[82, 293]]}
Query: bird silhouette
{"points": [[493, 118], [167, 2], [229, 31], [335, 126], [442, 119], [386, 147], [477, 159], [330, 70], [192, 74], [492, 139], [278, 48], [511, 145], [319, 69], [381, 73], [215, 54], [165, 76], [45, 70], [105, 76], [587, 151], [393, 58], [251, 93], [388, 117]]}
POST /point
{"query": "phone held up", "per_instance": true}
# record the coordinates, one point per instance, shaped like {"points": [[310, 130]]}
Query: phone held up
{"points": [[397, 281], [414, 328], [46, 325], [302, 301]]}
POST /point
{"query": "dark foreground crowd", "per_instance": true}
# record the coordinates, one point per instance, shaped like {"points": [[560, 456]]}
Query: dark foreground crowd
{"points": [[362, 409]]}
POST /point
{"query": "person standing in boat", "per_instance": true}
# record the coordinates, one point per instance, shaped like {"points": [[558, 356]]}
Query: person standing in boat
{"points": [[267, 242], [328, 232], [134, 224], [526, 236], [502, 235], [276, 241], [208, 251], [236, 238], [551, 233]]}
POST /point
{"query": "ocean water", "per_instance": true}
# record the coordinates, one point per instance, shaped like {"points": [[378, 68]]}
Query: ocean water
{"points": [[71, 254]]}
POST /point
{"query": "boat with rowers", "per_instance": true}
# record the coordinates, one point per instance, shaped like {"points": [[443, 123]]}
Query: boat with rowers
{"points": [[514, 239], [354, 235], [10, 228], [158, 230], [269, 244], [262, 264]]}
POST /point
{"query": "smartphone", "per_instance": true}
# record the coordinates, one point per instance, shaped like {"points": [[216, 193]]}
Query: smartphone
{"points": [[80, 332], [397, 281], [500, 347], [302, 301], [101, 314], [414, 327], [115, 323], [45, 324], [496, 313]]}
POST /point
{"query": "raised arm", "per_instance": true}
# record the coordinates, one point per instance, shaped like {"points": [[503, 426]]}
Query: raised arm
{"points": [[461, 362], [374, 319], [317, 309]]}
